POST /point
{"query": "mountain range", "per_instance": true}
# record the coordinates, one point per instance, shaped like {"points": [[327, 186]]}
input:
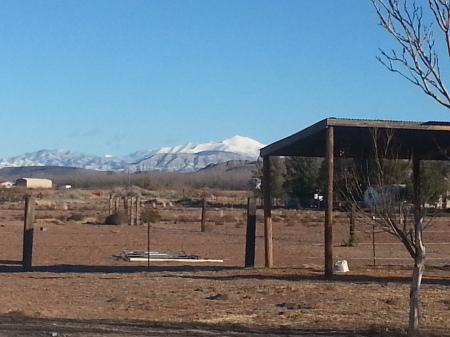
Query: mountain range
{"points": [[181, 158]]}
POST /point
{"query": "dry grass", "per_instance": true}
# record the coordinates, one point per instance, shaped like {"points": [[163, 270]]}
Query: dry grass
{"points": [[77, 278]]}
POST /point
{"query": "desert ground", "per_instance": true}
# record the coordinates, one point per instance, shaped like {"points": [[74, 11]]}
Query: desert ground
{"points": [[80, 287]]}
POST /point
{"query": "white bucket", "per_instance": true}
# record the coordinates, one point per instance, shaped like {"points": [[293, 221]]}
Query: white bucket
{"points": [[341, 266]]}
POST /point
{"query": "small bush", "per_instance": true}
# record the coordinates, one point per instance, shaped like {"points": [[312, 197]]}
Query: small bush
{"points": [[12, 195], [115, 219], [150, 215]]}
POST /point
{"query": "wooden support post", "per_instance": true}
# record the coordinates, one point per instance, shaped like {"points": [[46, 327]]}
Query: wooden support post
{"points": [[132, 211], [352, 225], [28, 229], [251, 233], [148, 244], [125, 204], [138, 210], [126, 208], [329, 205], [374, 253], [203, 222], [268, 243]]}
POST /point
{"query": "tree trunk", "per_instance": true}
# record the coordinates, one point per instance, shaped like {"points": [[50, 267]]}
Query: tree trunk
{"points": [[419, 268]]}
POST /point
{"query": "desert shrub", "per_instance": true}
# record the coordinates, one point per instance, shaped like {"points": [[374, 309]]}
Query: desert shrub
{"points": [[11, 195], [76, 217], [133, 191], [119, 192], [146, 183], [62, 217], [115, 219], [187, 218], [150, 215]]}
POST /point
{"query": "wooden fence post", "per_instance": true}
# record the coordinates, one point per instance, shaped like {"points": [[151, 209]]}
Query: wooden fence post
{"points": [[373, 245], [110, 204], [132, 210], [116, 204], [28, 229], [148, 244], [203, 224], [251, 233], [138, 211]]}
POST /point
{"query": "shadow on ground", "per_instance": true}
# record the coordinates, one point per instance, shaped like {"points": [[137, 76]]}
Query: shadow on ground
{"points": [[16, 325], [318, 276], [231, 273], [10, 267]]}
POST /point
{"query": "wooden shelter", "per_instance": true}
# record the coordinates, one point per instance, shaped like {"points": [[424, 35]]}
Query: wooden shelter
{"points": [[352, 138]]}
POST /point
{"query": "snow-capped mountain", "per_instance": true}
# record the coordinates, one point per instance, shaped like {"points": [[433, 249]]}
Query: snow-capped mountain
{"points": [[182, 158]]}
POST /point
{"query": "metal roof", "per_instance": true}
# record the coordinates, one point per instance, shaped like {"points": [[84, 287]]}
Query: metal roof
{"points": [[354, 138]]}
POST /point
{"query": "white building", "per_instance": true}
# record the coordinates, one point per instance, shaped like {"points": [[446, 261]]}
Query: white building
{"points": [[6, 184]]}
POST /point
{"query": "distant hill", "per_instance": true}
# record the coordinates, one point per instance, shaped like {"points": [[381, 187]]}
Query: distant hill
{"points": [[232, 165], [50, 172], [181, 158], [230, 175]]}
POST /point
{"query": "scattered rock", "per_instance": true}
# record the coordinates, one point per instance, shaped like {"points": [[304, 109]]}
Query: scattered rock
{"points": [[222, 297]]}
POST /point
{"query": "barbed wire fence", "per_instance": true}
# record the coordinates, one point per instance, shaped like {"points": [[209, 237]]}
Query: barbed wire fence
{"points": [[298, 236]]}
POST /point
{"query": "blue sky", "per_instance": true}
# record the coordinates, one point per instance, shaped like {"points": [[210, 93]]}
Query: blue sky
{"points": [[113, 77]]}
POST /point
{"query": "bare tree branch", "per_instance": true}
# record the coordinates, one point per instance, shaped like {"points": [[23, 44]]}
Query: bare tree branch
{"points": [[386, 208], [418, 61]]}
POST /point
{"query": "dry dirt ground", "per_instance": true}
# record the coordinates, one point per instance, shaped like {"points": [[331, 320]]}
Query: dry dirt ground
{"points": [[78, 287]]}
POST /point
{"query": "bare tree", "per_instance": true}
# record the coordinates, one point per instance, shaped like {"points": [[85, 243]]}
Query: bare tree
{"points": [[423, 36], [390, 209]]}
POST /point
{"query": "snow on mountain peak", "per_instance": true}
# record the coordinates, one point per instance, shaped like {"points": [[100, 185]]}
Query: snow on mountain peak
{"points": [[245, 145], [236, 144], [242, 141]]}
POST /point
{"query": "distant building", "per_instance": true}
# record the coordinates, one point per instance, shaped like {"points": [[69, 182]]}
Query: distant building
{"points": [[376, 196], [34, 183], [6, 184]]}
